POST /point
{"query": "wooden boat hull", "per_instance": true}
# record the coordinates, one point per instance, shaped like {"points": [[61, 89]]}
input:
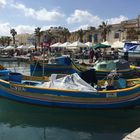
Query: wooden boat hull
{"points": [[71, 98]]}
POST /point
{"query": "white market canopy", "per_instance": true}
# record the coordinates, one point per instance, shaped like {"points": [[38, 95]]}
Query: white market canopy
{"points": [[106, 43], [134, 41], [22, 47], [56, 45], [2, 47], [89, 44], [77, 45], [65, 45], [117, 44], [9, 48], [31, 47]]}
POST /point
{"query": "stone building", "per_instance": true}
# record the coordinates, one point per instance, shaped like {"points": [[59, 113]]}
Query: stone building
{"points": [[119, 31], [23, 39]]}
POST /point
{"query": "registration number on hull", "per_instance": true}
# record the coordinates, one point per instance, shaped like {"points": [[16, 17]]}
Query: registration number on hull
{"points": [[109, 95]]}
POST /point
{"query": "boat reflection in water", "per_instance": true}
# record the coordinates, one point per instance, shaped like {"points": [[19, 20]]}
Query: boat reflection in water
{"points": [[24, 121]]}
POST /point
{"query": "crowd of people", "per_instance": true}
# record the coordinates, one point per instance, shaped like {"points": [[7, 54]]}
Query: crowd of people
{"points": [[99, 54], [92, 54]]}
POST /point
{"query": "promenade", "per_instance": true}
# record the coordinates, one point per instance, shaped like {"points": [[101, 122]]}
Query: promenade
{"points": [[135, 135]]}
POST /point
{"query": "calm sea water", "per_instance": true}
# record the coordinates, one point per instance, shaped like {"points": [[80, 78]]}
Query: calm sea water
{"points": [[20, 121]]}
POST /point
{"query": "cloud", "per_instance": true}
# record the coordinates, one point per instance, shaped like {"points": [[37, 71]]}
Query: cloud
{"points": [[42, 14], [83, 27], [21, 29], [4, 29], [24, 29], [84, 17], [117, 19], [3, 3]]}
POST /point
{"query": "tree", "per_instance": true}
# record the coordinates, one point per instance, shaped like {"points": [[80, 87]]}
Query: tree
{"points": [[49, 37], [13, 33], [65, 34], [80, 35], [38, 34], [8, 40], [5, 40], [105, 29], [2, 41]]}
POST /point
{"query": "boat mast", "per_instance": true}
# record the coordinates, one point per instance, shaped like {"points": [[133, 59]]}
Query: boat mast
{"points": [[43, 71]]}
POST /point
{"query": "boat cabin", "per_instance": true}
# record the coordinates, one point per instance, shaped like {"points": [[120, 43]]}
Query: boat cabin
{"points": [[109, 65]]}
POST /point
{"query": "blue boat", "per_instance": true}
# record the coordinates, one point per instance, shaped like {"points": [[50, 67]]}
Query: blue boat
{"points": [[47, 92], [4, 73], [63, 65], [131, 51]]}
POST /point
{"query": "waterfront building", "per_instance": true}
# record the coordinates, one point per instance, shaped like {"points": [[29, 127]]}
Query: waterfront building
{"points": [[128, 30], [23, 39], [120, 32]]}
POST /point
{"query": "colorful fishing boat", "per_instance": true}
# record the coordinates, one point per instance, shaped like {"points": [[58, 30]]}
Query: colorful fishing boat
{"points": [[63, 65], [4, 73], [104, 67], [75, 92]]}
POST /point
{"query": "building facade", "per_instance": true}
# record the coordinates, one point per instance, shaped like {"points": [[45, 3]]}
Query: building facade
{"points": [[118, 32]]}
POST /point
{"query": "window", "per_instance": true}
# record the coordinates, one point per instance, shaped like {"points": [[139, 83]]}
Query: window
{"points": [[103, 66], [116, 35]]}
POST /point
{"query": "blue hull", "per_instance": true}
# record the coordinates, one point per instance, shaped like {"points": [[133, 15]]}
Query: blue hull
{"points": [[4, 74], [125, 104], [70, 99]]}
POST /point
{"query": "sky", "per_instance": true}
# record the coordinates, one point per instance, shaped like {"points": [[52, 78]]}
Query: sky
{"points": [[25, 15]]}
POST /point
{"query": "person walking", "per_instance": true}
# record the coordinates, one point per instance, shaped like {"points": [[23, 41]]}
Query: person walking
{"points": [[91, 55]]}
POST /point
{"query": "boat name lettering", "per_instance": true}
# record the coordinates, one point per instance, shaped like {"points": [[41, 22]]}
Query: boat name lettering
{"points": [[108, 95], [17, 88]]}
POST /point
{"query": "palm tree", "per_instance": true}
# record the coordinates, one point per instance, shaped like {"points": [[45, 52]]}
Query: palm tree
{"points": [[5, 40], [2, 41], [105, 29], [80, 35], [8, 40], [65, 33], [49, 36], [38, 34], [13, 33]]}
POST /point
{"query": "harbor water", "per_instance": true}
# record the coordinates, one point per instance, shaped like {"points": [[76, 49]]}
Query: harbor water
{"points": [[19, 121]]}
